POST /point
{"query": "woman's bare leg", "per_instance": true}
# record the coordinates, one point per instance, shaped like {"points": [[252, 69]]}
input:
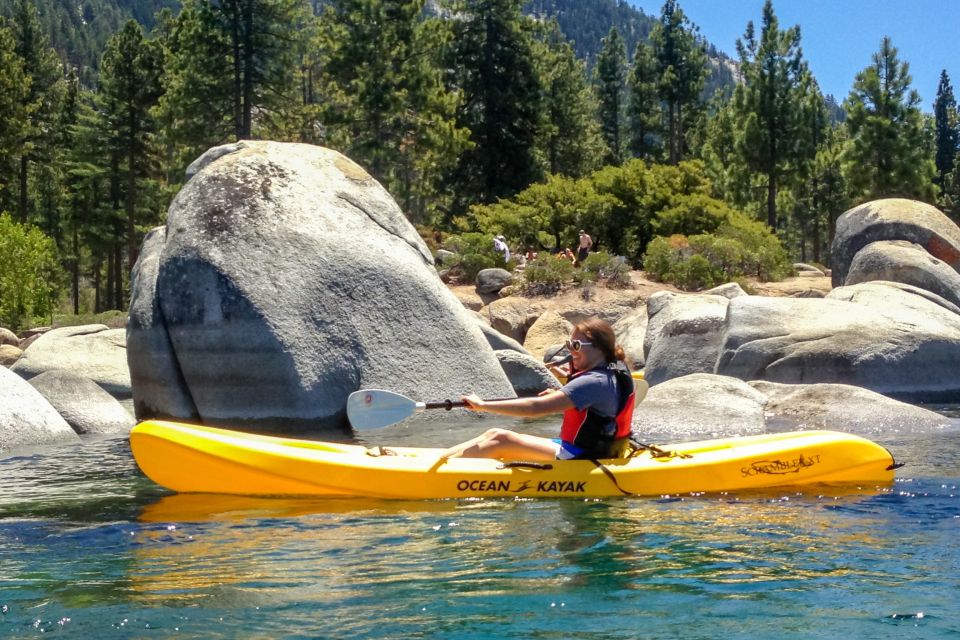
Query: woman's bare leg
{"points": [[503, 443]]}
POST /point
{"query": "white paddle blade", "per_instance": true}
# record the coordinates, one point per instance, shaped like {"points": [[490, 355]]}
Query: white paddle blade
{"points": [[375, 408]]}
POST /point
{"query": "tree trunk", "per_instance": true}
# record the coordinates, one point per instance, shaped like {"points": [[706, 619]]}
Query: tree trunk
{"points": [[131, 195], [75, 270], [772, 201], [119, 302], [22, 205], [237, 78], [248, 67]]}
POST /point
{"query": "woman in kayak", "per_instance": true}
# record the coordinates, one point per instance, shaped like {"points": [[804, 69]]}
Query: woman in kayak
{"points": [[596, 402]]}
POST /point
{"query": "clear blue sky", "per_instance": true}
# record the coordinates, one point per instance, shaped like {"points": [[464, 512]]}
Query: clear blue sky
{"points": [[838, 37]]}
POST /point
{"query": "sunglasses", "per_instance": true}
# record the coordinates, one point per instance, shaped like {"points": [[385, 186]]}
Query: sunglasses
{"points": [[576, 345]]}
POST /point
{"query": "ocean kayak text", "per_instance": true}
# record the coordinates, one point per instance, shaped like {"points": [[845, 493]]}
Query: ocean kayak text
{"points": [[508, 486]]}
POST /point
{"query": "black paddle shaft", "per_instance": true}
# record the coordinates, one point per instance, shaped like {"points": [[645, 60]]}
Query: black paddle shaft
{"points": [[453, 404]]}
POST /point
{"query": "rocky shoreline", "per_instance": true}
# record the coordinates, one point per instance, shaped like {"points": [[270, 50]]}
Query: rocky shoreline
{"points": [[287, 278]]}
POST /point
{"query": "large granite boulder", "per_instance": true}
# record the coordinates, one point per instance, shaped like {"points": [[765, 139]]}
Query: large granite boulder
{"points": [[26, 418], [880, 337], [684, 334], [704, 406], [893, 219], [842, 407], [700, 406], [91, 351], [287, 278], [905, 262], [86, 407]]}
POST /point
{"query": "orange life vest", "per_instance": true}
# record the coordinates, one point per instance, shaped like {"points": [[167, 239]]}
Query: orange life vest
{"points": [[593, 433]]}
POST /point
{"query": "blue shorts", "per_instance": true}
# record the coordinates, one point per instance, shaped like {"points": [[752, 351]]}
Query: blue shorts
{"points": [[567, 451]]}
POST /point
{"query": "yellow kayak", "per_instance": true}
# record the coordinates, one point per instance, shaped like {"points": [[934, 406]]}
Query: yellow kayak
{"points": [[189, 458]]}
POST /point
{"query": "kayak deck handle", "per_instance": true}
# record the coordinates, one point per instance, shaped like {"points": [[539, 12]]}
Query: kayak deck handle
{"points": [[523, 464]]}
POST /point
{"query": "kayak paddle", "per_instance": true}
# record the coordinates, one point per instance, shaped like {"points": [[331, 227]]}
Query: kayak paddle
{"points": [[376, 408]]}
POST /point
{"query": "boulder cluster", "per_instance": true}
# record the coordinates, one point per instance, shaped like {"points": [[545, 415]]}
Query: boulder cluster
{"points": [[286, 277]]}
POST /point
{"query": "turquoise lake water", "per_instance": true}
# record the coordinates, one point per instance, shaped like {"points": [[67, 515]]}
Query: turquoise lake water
{"points": [[89, 548]]}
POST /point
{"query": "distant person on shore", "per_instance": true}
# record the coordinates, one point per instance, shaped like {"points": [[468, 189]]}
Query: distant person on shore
{"points": [[500, 246], [586, 243]]}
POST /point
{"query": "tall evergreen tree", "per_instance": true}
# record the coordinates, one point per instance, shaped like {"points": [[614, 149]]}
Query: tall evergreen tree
{"points": [[682, 69], [42, 102], [501, 102], [643, 104], [889, 153], [130, 74], [610, 80], [572, 142], [14, 109], [229, 60], [770, 104], [947, 126], [387, 109]]}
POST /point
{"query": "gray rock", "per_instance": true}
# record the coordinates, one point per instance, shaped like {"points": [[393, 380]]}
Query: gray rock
{"points": [[631, 331], [9, 354], [666, 306], [802, 268], [495, 339], [490, 281], [527, 375], [907, 263], [893, 219], [159, 388], [86, 407], [870, 335], [8, 337], [513, 316], [288, 278], [841, 407], [700, 405], [683, 334], [26, 418], [91, 351], [730, 291]]}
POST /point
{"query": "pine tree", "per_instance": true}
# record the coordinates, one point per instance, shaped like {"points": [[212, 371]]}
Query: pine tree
{"points": [[501, 104], [229, 60], [643, 106], [130, 87], [14, 92], [42, 101], [681, 70], [572, 142], [610, 80], [947, 126], [386, 107], [770, 105], [889, 153]]}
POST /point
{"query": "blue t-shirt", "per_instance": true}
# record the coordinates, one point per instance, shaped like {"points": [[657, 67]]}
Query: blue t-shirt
{"points": [[595, 389]]}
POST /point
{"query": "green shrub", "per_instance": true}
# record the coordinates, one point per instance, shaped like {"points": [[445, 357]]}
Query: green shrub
{"points": [[739, 248], [696, 273], [612, 271], [29, 274], [475, 253], [547, 274]]}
